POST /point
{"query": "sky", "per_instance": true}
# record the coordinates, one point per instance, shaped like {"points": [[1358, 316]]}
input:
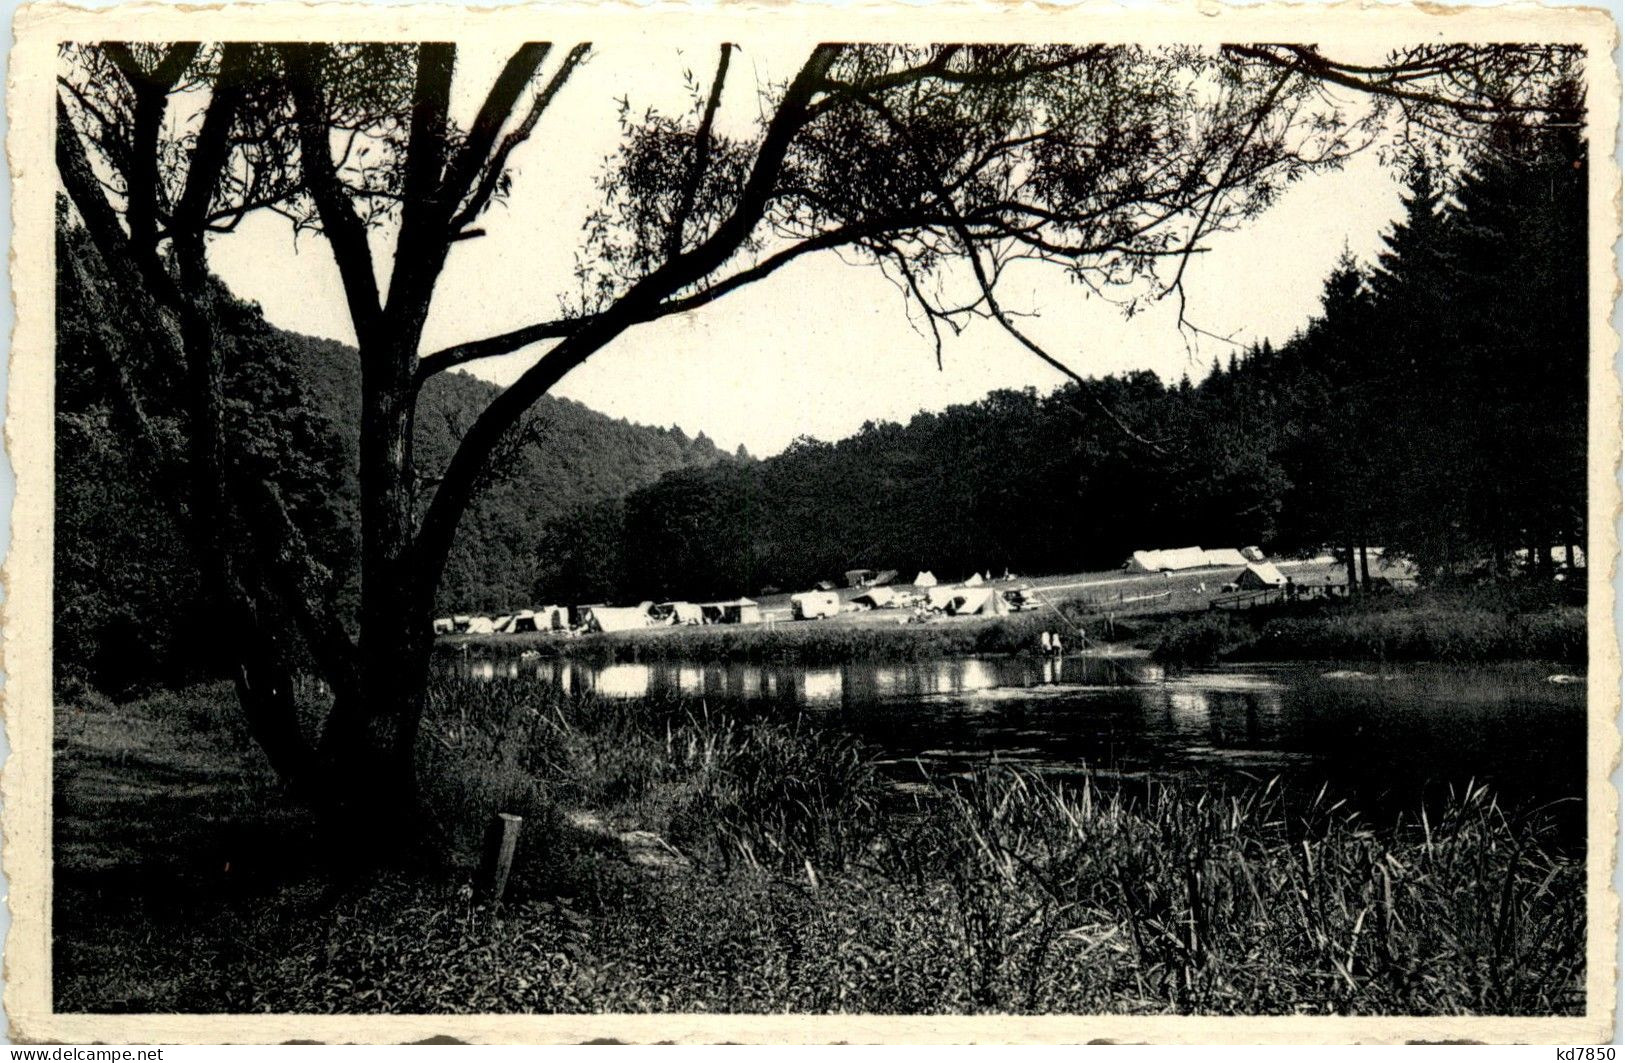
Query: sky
{"points": [[825, 344]]}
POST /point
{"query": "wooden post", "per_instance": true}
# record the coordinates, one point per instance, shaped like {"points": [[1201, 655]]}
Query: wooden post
{"points": [[501, 841]]}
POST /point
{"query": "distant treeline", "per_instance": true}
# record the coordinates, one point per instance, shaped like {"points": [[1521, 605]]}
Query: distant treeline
{"points": [[1437, 406]]}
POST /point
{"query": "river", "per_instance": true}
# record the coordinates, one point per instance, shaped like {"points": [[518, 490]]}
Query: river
{"points": [[1386, 739]]}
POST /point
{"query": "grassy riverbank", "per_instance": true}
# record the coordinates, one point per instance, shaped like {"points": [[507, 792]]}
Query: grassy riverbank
{"points": [[1469, 627], [679, 860]]}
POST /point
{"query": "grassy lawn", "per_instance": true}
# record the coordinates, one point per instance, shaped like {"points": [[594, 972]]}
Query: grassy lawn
{"points": [[677, 859], [1469, 626]]}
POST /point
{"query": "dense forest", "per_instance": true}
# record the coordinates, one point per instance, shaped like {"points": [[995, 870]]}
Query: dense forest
{"points": [[129, 607], [1436, 406]]}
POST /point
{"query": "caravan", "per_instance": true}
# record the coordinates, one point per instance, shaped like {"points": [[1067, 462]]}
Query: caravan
{"points": [[814, 605]]}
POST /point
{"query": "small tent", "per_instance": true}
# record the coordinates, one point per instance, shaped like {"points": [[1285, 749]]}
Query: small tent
{"points": [[975, 580], [1260, 574], [814, 605], [522, 621], [978, 601], [481, 625], [925, 579], [460, 622], [941, 597], [859, 577], [444, 626]]}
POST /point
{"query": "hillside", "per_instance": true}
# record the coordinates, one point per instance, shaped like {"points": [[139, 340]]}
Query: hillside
{"points": [[579, 457], [127, 607]]}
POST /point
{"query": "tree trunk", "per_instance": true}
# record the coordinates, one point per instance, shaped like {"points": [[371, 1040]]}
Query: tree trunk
{"points": [[261, 657], [1353, 576], [369, 744], [1365, 567]]}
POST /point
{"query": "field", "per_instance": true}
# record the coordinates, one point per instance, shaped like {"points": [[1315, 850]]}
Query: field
{"points": [[1086, 607], [1095, 611], [675, 859]]}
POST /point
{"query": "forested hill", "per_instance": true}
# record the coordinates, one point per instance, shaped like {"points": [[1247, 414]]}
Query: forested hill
{"points": [[1436, 406], [128, 606], [573, 456]]}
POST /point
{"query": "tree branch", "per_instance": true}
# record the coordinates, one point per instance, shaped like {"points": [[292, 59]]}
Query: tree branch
{"points": [[213, 146], [1378, 81], [702, 159], [491, 174], [420, 246], [344, 230], [559, 328], [100, 218], [451, 498], [493, 115]]}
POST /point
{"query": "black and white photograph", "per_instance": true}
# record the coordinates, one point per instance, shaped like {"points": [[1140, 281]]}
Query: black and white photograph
{"points": [[1075, 525]]}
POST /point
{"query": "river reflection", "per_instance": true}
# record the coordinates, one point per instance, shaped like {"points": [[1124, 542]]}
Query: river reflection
{"points": [[1388, 740]]}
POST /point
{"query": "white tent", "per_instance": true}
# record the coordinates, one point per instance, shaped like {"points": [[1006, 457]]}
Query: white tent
{"points": [[678, 613], [481, 625], [1169, 560], [1223, 556], [523, 620], [1183, 558], [978, 601], [812, 605], [941, 597], [975, 580], [925, 579], [443, 626], [1261, 574], [607, 618]]}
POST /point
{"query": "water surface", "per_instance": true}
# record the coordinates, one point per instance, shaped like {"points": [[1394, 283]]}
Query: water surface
{"points": [[1387, 739]]}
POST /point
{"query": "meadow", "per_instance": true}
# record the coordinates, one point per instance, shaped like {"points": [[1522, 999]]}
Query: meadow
{"points": [[675, 858], [1476, 625]]}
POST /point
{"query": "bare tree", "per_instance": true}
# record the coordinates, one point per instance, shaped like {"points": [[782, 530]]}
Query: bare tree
{"points": [[941, 165]]}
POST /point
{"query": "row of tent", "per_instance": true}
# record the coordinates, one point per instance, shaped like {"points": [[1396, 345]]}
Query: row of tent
{"points": [[1189, 557], [971, 598], [596, 618], [545, 618]]}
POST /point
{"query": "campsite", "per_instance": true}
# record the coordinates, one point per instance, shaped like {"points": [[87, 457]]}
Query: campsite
{"points": [[1058, 602]]}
